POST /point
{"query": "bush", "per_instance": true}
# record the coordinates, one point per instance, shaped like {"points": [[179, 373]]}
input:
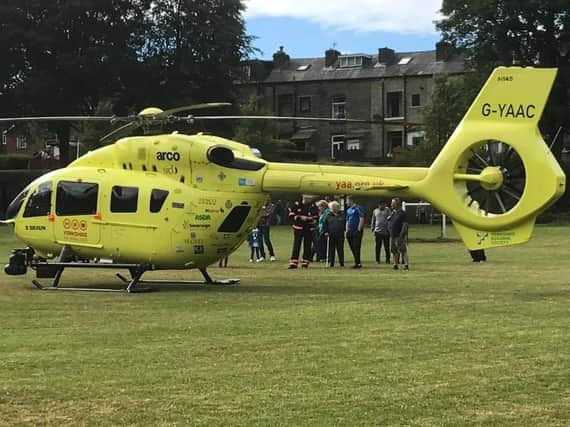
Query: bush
{"points": [[11, 161]]}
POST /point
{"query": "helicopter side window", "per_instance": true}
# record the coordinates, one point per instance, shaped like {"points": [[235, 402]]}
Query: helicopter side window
{"points": [[234, 220], [76, 198], [124, 199], [39, 203], [14, 207], [157, 199]]}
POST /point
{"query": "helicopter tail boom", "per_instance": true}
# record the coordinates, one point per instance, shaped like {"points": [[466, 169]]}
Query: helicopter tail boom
{"points": [[493, 177]]}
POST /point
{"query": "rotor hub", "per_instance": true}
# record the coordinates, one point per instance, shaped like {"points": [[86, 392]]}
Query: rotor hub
{"points": [[491, 178]]}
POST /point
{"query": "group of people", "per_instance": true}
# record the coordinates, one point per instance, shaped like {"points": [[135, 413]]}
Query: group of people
{"points": [[321, 228]]}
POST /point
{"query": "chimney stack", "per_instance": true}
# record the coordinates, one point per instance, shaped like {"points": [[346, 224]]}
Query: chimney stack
{"points": [[280, 58], [386, 56], [331, 56], [443, 51]]}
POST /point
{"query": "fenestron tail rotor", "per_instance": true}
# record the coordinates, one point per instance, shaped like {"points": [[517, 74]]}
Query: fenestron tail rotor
{"points": [[494, 176]]}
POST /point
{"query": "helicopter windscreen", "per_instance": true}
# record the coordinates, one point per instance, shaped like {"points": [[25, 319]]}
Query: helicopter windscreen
{"points": [[16, 204]]}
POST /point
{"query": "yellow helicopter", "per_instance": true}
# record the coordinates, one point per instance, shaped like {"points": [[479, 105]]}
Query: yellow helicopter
{"points": [[176, 201]]}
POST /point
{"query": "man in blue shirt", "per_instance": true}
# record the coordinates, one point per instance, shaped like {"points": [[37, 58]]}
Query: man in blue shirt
{"points": [[354, 229]]}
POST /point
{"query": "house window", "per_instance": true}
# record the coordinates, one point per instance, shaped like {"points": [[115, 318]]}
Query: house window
{"points": [[304, 104], [4, 137], [246, 72], [124, 199], [353, 144], [338, 144], [416, 100], [285, 105], [394, 104], [415, 138], [350, 61], [394, 140], [339, 108], [21, 143]]}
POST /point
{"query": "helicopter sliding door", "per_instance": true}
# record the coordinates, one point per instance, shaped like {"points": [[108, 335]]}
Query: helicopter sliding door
{"points": [[76, 214]]}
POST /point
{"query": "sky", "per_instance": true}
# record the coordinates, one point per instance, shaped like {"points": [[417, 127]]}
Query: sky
{"points": [[307, 28]]}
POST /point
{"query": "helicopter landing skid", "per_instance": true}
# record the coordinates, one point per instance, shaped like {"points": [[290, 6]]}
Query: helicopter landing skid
{"points": [[207, 281], [55, 271]]}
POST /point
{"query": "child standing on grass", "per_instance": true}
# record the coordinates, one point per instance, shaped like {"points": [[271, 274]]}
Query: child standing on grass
{"points": [[254, 241]]}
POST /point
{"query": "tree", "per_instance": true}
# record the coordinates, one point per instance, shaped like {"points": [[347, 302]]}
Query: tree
{"points": [[192, 50], [67, 55], [261, 134], [449, 101], [503, 32]]}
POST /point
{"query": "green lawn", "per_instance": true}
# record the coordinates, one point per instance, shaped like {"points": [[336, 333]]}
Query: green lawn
{"points": [[448, 343]]}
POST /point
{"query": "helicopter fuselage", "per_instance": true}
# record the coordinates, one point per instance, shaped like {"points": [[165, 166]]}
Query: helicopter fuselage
{"points": [[149, 200]]}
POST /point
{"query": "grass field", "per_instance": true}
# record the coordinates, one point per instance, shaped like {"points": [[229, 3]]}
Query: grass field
{"points": [[448, 343]]}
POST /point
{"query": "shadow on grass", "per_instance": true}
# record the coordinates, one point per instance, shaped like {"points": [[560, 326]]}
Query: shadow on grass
{"points": [[380, 291]]}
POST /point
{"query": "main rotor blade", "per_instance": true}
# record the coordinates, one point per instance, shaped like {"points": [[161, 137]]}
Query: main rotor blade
{"points": [[299, 118], [195, 107], [120, 130], [283, 118], [62, 119]]}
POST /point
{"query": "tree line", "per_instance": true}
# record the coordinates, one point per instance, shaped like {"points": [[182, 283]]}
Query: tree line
{"points": [[85, 57], [118, 56]]}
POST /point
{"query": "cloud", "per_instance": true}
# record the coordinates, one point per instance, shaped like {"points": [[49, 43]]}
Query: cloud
{"points": [[405, 16]]}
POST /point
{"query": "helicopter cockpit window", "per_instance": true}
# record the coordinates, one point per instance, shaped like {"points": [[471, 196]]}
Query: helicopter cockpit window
{"points": [[16, 204], [39, 203], [157, 199], [76, 198], [124, 199], [234, 220]]}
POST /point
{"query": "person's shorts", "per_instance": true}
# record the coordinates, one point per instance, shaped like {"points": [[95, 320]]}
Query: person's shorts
{"points": [[398, 245]]}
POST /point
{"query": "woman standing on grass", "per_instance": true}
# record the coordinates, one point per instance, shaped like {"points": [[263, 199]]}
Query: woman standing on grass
{"points": [[333, 229]]}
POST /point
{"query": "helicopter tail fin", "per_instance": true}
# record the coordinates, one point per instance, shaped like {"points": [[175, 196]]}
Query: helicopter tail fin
{"points": [[513, 95], [477, 239], [495, 174]]}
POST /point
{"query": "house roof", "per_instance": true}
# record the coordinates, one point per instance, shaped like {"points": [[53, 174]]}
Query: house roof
{"points": [[421, 63]]}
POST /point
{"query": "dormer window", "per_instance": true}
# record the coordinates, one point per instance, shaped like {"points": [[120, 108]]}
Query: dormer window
{"points": [[405, 60], [351, 61]]}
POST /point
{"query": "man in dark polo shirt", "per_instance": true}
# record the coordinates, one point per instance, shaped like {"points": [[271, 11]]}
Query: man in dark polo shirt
{"points": [[399, 234]]}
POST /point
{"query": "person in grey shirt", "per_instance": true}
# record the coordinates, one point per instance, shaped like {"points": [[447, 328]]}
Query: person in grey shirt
{"points": [[381, 230]]}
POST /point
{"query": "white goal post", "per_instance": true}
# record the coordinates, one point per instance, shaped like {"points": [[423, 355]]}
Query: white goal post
{"points": [[443, 216]]}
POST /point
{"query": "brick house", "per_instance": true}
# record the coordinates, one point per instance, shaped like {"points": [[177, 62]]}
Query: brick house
{"points": [[389, 86], [40, 146]]}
